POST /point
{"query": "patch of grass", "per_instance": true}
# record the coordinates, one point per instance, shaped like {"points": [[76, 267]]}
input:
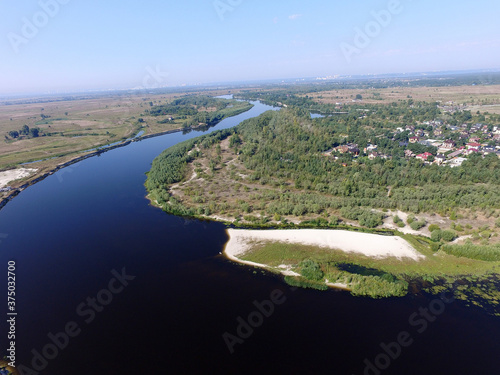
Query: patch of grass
{"points": [[366, 275], [489, 253]]}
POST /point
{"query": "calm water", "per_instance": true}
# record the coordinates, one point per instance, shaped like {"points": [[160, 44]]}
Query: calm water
{"points": [[68, 232]]}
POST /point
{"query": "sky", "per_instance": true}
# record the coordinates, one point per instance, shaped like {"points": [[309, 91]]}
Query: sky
{"points": [[69, 45]]}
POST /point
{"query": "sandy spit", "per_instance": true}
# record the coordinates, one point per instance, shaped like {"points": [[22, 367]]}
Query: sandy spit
{"points": [[372, 245]]}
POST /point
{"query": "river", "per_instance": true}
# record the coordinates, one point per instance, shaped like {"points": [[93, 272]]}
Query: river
{"points": [[137, 291]]}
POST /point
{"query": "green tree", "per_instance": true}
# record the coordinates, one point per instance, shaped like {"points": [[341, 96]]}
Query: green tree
{"points": [[311, 270], [34, 132], [14, 134]]}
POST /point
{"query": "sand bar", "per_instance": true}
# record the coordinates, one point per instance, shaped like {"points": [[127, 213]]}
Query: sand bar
{"points": [[14, 174], [372, 245]]}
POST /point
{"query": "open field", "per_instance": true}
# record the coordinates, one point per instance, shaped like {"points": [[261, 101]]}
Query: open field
{"points": [[73, 125], [482, 95]]}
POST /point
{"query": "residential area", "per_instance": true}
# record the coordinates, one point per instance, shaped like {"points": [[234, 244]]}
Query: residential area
{"points": [[432, 142]]}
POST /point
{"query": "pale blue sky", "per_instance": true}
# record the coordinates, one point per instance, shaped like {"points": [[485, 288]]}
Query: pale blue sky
{"points": [[116, 44]]}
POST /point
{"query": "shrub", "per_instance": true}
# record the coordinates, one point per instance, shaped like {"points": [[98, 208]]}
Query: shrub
{"points": [[334, 220], [448, 235], [311, 270], [370, 219], [366, 218], [434, 227], [304, 283], [435, 246], [416, 225]]}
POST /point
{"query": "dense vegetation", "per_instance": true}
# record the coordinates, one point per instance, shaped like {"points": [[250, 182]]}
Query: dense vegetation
{"points": [[198, 110], [490, 253], [284, 151], [25, 131]]}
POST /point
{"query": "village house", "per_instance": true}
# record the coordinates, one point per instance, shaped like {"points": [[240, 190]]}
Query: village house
{"points": [[473, 145], [424, 156], [449, 144], [349, 148], [457, 162], [470, 151], [354, 150], [342, 149], [489, 150], [370, 148], [455, 154], [414, 139], [440, 159]]}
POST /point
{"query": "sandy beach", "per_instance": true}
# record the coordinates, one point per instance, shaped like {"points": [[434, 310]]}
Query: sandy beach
{"points": [[14, 174], [371, 245]]}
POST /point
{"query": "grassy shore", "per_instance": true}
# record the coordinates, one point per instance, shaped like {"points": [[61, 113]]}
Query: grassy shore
{"points": [[472, 280], [73, 128]]}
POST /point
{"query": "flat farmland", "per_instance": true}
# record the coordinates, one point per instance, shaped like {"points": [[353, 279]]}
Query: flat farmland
{"points": [[69, 126], [485, 96]]}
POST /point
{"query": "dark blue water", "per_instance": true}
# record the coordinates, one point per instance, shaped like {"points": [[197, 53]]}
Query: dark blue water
{"points": [[70, 231]]}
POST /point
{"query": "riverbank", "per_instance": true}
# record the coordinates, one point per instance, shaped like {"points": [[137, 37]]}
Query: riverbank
{"points": [[52, 165]]}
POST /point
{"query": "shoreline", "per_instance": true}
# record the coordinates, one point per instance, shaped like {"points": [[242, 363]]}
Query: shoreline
{"points": [[16, 190]]}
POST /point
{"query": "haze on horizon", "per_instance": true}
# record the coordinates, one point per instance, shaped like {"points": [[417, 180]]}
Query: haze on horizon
{"points": [[65, 45]]}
